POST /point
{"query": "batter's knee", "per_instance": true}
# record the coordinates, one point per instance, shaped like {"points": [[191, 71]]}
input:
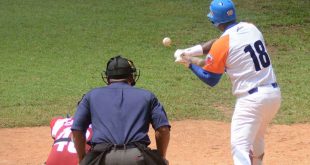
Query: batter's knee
{"points": [[256, 159]]}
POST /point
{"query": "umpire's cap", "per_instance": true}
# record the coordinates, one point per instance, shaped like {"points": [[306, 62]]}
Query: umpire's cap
{"points": [[121, 68]]}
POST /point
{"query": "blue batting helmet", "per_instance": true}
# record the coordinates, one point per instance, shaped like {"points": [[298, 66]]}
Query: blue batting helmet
{"points": [[222, 11]]}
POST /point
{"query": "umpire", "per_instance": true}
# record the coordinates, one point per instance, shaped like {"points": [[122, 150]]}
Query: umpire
{"points": [[120, 115]]}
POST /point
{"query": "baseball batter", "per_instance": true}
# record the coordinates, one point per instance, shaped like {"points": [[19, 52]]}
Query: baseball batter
{"points": [[240, 52]]}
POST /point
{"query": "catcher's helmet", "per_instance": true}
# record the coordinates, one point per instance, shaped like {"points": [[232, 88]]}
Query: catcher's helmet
{"points": [[121, 68], [222, 11]]}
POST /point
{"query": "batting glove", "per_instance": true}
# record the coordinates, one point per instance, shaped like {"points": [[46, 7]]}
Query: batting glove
{"points": [[177, 55]]}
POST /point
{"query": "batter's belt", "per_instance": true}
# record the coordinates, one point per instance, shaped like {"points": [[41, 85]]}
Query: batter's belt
{"points": [[255, 89], [267, 87]]}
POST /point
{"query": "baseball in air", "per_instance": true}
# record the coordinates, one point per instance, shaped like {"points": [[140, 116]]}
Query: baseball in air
{"points": [[167, 41]]}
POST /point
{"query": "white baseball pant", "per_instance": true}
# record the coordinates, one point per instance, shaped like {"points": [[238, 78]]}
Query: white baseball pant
{"points": [[251, 117]]}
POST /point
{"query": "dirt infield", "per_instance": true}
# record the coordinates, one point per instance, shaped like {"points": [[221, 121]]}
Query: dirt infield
{"points": [[192, 143]]}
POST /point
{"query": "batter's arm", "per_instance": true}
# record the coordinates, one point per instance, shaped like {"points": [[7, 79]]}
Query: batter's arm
{"points": [[207, 77], [197, 50], [193, 60], [207, 46]]}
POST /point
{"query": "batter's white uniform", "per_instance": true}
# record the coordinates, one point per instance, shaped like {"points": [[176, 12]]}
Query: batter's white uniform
{"points": [[241, 52]]}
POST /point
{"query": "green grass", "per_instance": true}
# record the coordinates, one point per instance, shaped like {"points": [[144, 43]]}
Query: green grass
{"points": [[53, 51]]}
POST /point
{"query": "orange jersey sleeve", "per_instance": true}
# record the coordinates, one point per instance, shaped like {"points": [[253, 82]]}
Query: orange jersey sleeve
{"points": [[216, 59]]}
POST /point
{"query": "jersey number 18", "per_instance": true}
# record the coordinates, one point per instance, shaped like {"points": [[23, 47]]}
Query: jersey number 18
{"points": [[262, 58]]}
